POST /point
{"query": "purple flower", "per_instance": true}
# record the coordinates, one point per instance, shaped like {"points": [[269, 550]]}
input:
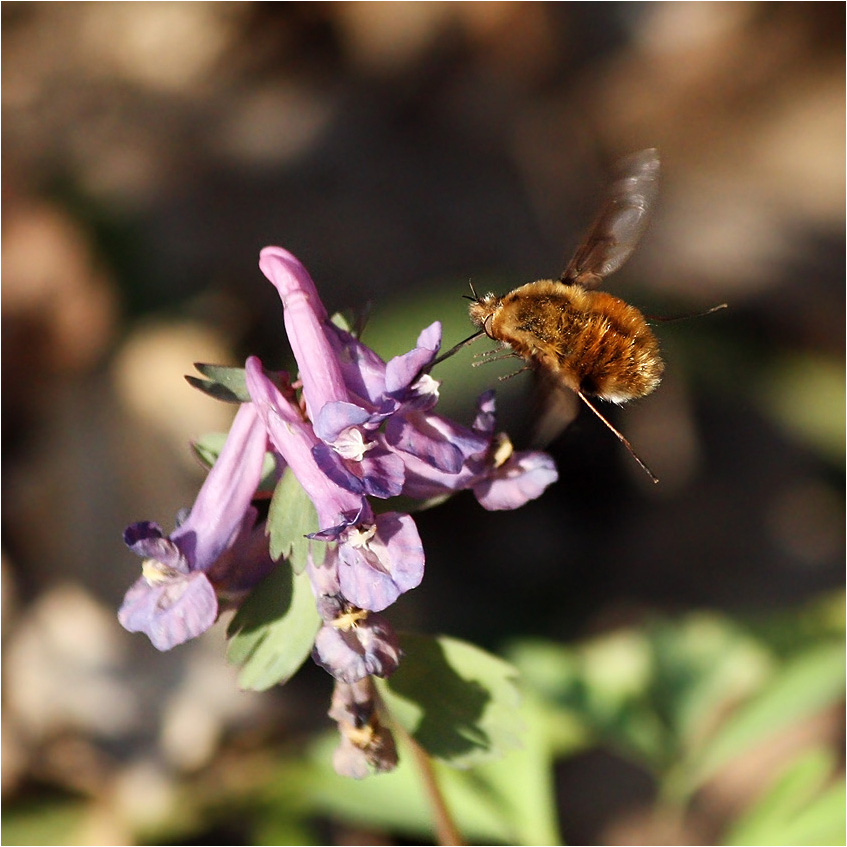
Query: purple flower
{"points": [[404, 377], [380, 560], [354, 453], [215, 551], [507, 480], [376, 558], [356, 644], [401, 393], [384, 387], [438, 442], [372, 433], [439, 456], [306, 320], [360, 466], [361, 428]]}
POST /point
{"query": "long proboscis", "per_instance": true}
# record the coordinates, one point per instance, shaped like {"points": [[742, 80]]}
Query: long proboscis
{"points": [[455, 349], [469, 340]]}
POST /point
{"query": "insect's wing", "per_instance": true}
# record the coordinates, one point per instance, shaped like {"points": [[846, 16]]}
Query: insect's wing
{"points": [[621, 222], [554, 408]]}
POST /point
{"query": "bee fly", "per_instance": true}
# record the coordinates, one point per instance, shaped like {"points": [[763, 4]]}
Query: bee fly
{"points": [[577, 337]]}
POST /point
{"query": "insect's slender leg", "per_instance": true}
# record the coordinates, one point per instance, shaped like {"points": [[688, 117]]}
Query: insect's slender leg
{"points": [[658, 319], [509, 376], [619, 436], [490, 356]]}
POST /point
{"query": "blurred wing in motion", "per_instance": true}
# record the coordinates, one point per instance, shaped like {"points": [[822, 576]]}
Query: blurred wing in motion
{"points": [[621, 222], [554, 408]]}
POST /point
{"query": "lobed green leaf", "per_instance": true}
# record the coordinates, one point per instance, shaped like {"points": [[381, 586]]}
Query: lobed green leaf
{"points": [[273, 632], [291, 518], [458, 702], [222, 382]]}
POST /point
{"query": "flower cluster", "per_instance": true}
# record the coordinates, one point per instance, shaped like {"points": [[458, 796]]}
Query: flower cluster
{"points": [[361, 429]]}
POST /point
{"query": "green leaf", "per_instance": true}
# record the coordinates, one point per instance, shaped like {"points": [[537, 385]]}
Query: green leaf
{"points": [[208, 447], [222, 382], [553, 673], [458, 702], [273, 632], [798, 808], [823, 821], [601, 691], [291, 518], [523, 782], [806, 684]]}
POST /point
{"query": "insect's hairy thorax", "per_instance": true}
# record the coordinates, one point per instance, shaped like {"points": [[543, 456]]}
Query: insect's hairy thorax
{"points": [[538, 315], [544, 319]]}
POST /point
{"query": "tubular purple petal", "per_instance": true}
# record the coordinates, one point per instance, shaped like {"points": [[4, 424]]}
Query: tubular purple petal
{"points": [[226, 493], [175, 599], [305, 323]]}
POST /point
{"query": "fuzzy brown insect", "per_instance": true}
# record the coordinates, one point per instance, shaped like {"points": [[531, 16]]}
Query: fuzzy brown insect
{"points": [[573, 336], [585, 340]]}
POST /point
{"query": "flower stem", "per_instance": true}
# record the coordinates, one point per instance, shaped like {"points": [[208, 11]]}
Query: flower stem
{"points": [[445, 828]]}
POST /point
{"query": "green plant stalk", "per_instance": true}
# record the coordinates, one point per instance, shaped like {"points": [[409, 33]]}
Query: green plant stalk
{"points": [[445, 829]]}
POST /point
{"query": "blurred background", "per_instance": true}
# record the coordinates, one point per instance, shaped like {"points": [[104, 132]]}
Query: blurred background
{"points": [[401, 150]]}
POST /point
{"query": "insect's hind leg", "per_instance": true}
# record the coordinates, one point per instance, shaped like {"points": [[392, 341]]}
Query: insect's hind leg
{"points": [[619, 436]]}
